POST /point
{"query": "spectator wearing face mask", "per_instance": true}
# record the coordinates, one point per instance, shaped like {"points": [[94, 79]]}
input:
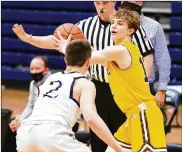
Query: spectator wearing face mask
{"points": [[39, 70]]}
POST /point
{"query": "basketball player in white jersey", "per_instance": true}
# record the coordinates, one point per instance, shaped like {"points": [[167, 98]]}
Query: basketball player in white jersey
{"points": [[61, 99]]}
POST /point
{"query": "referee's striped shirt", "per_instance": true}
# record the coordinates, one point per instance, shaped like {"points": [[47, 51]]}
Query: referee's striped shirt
{"points": [[99, 35]]}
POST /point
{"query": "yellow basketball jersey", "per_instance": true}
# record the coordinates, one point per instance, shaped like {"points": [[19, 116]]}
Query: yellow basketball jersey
{"points": [[130, 86]]}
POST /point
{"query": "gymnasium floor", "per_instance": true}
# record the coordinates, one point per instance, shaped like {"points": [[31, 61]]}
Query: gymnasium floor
{"points": [[16, 100]]}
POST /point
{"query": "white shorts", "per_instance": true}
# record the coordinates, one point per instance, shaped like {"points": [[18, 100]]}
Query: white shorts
{"points": [[47, 138]]}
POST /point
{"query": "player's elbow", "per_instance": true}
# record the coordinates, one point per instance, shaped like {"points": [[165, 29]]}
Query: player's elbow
{"points": [[90, 122], [89, 118]]}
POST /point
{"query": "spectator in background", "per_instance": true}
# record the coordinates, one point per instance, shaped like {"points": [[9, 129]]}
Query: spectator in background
{"points": [[160, 75], [39, 69], [97, 30]]}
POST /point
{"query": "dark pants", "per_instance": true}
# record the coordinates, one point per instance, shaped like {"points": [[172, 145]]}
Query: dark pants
{"points": [[10, 141], [152, 90], [108, 111]]}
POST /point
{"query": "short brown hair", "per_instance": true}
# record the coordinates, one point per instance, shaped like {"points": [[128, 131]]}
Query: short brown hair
{"points": [[132, 18], [44, 59], [77, 52]]}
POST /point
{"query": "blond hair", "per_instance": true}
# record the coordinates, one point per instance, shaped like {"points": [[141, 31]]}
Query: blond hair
{"points": [[132, 18]]}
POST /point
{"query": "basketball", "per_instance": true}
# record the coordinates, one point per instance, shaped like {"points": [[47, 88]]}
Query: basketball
{"points": [[68, 28]]}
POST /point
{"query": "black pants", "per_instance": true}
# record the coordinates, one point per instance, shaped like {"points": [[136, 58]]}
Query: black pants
{"points": [[108, 111], [10, 141], [152, 90]]}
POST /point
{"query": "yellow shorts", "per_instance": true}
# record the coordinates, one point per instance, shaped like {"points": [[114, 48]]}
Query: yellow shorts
{"points": [[143, 129]]}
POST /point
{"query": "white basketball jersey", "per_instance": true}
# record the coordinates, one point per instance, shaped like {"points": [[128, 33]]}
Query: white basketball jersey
{"points": [[55, 102]]}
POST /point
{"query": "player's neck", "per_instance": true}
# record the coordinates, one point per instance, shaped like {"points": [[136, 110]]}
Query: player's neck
{"points": [[120, 41], [75, 69]]}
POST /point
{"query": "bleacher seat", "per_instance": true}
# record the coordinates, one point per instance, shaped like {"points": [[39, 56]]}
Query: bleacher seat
{"points": [[176, 7], [15, 45], [56, 62], [11, 58], [175, 82], [176, 23], [176, 54], [15, 59], [41, 30], [176, 74], [176, 71], [176, 41], [43, 16], [9, 73], [175, 38], [78, 5]]}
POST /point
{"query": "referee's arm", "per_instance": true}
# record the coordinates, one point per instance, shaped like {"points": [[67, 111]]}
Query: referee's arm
{"points": [[145, 46]]}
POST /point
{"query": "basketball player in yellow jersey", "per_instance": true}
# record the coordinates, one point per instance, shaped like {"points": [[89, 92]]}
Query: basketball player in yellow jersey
{"points": [[144, 129]]}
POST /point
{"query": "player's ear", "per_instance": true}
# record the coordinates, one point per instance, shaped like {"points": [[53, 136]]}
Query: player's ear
{"points": [[131, 31], [87, 63]]}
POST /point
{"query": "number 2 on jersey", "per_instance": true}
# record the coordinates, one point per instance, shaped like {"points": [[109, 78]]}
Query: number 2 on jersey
{"points": [[49, 93]]}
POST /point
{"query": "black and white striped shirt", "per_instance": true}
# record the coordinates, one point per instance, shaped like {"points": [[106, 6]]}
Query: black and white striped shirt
{"points": [[99, 35]]}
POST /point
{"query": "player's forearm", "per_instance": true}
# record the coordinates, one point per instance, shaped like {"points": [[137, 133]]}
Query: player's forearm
{"points": [[148, 63], [44, 42], [98, 58], [101, 130]]}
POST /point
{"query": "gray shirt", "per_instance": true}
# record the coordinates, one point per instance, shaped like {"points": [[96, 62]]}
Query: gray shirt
{"points": [[33, 94], [160, 75]]}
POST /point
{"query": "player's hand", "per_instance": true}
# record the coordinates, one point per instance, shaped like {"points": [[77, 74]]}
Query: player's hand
{"points": [[160, 98], [61, 43], [19, 31], [15, 124]]}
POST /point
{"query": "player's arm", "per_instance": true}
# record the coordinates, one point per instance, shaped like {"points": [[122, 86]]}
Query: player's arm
{"points": [[148, 63], [142, 40], [88, 109], [44, 42], [110, 53]]}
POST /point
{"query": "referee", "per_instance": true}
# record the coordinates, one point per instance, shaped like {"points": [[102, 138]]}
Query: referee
{"points": [[97, 31]]}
